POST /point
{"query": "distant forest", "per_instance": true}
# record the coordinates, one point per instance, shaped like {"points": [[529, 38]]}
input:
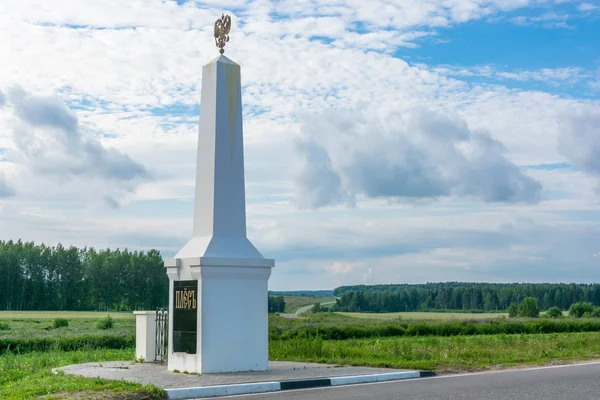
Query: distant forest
{"points": [[38, 277], [461, 296]]}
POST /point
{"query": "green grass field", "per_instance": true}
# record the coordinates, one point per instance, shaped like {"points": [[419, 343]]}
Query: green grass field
{"points": [[42, 328], [7, 315], [425, 315], [443, 354], [28, 375]]}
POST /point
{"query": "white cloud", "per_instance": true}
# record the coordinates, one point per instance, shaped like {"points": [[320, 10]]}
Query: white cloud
{"points": [[579, 141], [48, 136], [586, 7], [423, 155], [547, 20], [545, 74], [555, 76], [340, 268], [572, 79]]}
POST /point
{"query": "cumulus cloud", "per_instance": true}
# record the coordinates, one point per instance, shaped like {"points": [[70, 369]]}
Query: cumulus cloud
{"points": [[316, 180], [579, 141], [342, 155], [48, 134], [43, 111], [2, 99]]}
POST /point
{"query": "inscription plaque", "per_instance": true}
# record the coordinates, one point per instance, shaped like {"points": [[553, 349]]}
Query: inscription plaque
{"points": [[185, 318]]}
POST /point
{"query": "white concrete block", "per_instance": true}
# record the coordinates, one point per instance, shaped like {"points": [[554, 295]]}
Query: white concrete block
{"points": [[145, 335]]}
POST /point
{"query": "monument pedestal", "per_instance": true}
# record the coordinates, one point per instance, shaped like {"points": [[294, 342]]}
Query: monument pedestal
{"points": [[231, 324]]}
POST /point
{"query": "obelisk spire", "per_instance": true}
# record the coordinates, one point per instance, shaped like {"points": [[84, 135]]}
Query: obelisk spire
{"points": [[220, 199]]}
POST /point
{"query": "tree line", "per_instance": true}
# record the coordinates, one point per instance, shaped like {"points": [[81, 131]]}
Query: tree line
{"points": [[276, 304], [461, 296], [528, 308], [40, 277]]}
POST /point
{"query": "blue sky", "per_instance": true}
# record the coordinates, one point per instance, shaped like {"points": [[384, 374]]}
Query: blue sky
{"points": [[385, 141], [509, 44]]}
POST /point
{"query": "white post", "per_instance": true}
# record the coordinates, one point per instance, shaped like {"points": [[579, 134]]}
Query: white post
{"points": [[145, 335]]}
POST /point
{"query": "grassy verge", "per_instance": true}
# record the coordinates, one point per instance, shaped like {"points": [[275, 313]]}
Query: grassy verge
{"points": [[443, 354], [28, 376]]}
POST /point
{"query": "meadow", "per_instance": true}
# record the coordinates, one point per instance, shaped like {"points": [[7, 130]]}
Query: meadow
{"points": [[442, 354], [442, 343], [27, 332], [30, 346]]}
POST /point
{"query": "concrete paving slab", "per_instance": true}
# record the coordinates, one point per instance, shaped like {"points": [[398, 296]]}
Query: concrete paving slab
{"points": [[158, 375]]}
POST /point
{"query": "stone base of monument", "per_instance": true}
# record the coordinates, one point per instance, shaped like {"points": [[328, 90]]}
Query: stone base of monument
{"points": [[219, 319], [281, 375]]}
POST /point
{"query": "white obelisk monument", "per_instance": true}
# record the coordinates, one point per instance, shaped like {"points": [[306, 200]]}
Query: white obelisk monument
{"points": [[218, 280]]}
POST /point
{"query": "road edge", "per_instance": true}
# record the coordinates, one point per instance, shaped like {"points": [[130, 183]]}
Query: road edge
{"points": [[265, 387]]}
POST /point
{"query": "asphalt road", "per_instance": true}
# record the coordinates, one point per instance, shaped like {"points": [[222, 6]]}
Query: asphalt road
{"points": [[304, 309], [575, 382]]}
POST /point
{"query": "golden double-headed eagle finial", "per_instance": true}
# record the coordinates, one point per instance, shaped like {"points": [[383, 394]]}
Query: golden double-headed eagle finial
{"points": [[222, 27]]}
